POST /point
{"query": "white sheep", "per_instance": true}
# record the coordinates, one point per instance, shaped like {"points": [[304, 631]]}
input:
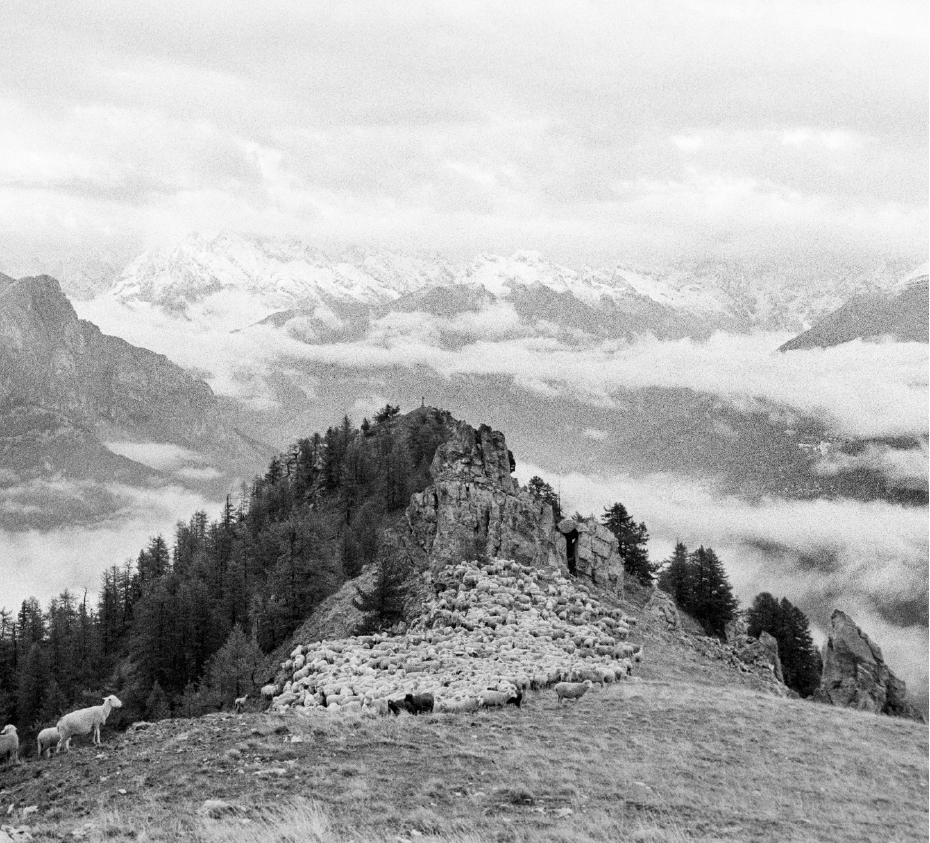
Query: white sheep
{"points": [[9, 744], [638, 655], [572, 690], [83, 721], [269, 691], [240, 703], [46, 739]]}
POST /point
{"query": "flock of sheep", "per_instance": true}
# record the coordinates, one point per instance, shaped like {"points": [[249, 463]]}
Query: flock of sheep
{"points": [[80, 722], [493, 631]]}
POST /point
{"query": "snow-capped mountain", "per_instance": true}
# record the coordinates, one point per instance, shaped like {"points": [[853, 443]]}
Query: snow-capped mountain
{"points": [[233, 281], [900, 311]]}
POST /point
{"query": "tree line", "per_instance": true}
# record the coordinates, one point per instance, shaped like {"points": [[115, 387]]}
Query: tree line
{"points": [[698, 582], [185, 625]]}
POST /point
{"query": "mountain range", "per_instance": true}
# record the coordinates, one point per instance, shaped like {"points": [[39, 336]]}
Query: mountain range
{"points": [[233, 281], [901, 312], [67, 390]]}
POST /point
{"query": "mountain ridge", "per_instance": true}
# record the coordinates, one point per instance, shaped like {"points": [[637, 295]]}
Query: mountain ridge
{"points": [[240, 280]]}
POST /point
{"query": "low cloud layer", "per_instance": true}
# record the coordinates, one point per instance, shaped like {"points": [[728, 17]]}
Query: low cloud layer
{"points": [[859, 389], [41, 563], [869, 559]]}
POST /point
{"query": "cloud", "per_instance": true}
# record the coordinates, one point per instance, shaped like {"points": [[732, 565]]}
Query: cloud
{"points": [[858, 389], [905, 468], [593, 131], [158, 455], [869, 559], [42, 562]]}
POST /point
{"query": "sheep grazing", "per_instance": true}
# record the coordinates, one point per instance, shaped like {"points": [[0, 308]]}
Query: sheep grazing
{"points": [[458, 706], [46, 739], [422, 703], [589, 674], [83, 721], [638, 655], [9, 744], [497, 699], [239, 703], [572, 690]]}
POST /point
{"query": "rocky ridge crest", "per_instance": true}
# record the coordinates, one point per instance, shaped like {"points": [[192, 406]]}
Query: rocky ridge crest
{"points": [[855, 674]]}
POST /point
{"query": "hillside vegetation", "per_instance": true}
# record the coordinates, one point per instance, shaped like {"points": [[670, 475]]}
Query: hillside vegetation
{"points": [[691, 752]]}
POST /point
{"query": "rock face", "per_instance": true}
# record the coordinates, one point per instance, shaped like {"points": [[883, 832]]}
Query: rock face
{"points": [[591, 552], [761, 651], [662, 607], [51, 359], [475, 507], [66, 389], [855, 674]]}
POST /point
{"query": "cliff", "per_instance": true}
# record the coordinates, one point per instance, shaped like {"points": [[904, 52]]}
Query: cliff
{"points": [[855, 674]]}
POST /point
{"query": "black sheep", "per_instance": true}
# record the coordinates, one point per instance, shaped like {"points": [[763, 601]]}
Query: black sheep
{"points": [[516, 700], [419, 703]]}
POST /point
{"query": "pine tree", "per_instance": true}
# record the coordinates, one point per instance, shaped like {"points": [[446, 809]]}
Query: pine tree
{"points": [[675, 575], [382, 605], [232, 671], [34, 679], [156, 706], [542, 490], [711, 602], [631, 539], [54, 703], [789, 626]]}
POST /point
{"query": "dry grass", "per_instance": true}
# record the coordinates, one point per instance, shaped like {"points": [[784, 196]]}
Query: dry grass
{"points": [[655, 761]]}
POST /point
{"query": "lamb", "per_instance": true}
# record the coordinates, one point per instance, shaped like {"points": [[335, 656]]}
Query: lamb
{"points": [[9, 744], [239, 703], [572, 690], [46, 739], [85, 720]]}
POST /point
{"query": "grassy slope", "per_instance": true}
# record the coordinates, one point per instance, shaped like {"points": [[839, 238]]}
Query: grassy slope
{"points": [[690, 752]]}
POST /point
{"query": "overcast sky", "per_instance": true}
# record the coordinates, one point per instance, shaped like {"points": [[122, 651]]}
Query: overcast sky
{"points": [[780, 132]]}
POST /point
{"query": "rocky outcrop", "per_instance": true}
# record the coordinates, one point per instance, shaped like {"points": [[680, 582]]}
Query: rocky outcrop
{"points": [[475, 508], [65, 388], [662, 608], [591, 553], [51, 359], [855, 674], [761, 652]]}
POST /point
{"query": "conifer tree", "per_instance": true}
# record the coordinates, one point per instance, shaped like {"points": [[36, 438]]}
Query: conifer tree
{"points": [[54, 702], [712, 602], [789, 626], [631, 539], [156, 706], [675, 575], [541, 489], [382, 605]]}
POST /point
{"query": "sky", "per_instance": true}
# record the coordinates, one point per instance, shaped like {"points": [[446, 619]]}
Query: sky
{"points": [[783, 133]]}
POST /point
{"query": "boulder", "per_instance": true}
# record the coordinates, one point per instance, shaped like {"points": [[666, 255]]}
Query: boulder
{"points": [[662, 607], [855, 674]]}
